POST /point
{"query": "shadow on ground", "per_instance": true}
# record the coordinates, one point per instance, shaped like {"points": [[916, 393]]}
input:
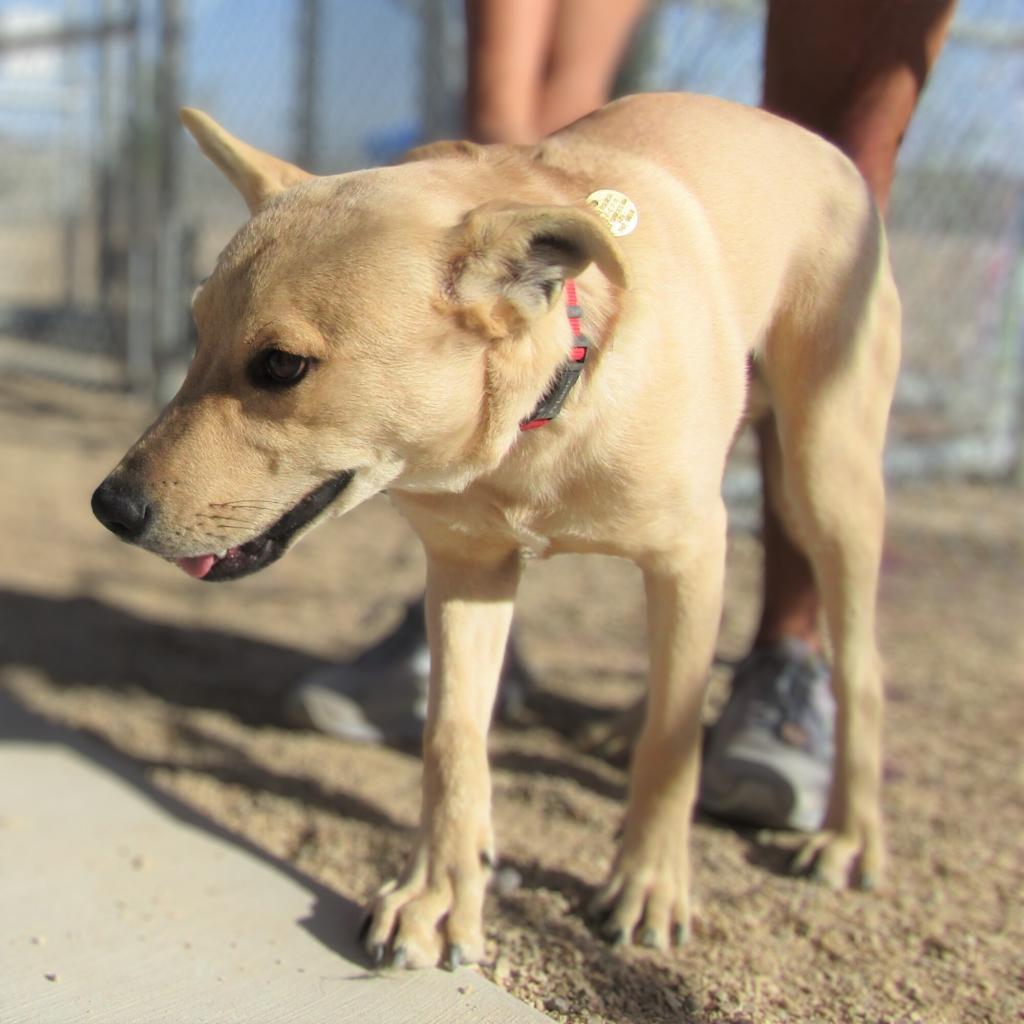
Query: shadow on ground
{"points": [[80, 641]]}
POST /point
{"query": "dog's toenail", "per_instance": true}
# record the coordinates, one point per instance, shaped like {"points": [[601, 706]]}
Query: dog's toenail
{"points": [[680, 934], [649, 938], [399, 958], [613, 935], [454, 961], [378, 954]]}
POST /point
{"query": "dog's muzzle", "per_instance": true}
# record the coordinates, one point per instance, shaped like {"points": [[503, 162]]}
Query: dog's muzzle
{"points": [[269, 546], [119, 504]]}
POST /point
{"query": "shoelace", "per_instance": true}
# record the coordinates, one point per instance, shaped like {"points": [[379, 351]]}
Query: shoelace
{"points": [[790, 699]]}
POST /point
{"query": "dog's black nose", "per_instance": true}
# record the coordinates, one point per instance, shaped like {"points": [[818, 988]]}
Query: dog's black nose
{"points": [[121, 508]]}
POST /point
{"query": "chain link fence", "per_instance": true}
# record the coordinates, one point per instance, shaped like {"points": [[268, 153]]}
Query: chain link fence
{"points": [[108, 214], [63, 178]]}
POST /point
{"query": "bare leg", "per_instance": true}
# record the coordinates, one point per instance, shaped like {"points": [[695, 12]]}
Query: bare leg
{"points": [[791, 606], [507, 48], [537, 65], [851, 70], [589, 41]]}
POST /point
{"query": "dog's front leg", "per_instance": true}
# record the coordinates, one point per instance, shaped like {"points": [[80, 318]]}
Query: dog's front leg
{"points": [[647, 895], [435, 909]]}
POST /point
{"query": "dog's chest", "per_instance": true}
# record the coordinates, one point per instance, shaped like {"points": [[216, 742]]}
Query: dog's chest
{"points": [[486, 518], [529, 531], [532, 543]]}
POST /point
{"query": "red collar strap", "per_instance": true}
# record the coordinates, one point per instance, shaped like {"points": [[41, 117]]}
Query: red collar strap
{"points": [[551, 404]]}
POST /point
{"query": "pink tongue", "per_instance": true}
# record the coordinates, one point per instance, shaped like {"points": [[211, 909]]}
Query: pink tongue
{"points": [[198, 566]]}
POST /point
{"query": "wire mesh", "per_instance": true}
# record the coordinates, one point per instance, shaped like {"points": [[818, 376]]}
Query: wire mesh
{"points": [[108, 214]]}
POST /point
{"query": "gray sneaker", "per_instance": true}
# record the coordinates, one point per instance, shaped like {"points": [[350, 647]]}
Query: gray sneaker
{"points": [[768, 758], [381, 697]]}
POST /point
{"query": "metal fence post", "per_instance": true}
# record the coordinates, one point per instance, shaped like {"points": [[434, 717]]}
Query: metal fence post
{"points": [[433, 48], [308, 64], [169, 308], [140, 361]]}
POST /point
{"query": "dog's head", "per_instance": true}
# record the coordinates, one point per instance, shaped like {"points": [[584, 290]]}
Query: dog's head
{"points": [[384, 328]]}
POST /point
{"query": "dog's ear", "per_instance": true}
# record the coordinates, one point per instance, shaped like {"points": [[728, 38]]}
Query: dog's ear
{"points": [[516, 258], [255, 174]]}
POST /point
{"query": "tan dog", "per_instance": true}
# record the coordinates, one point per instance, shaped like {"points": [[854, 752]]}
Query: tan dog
{"points": [[396, 328]]}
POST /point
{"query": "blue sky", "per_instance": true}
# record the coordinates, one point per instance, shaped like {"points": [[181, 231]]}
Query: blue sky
{"points": [[243, 68], [240, 65]]}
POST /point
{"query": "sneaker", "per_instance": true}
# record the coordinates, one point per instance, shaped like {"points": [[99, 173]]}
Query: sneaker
{"points": [[381, 697], [768, 758]]}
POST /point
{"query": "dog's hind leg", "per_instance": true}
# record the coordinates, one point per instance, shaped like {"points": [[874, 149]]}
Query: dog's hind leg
{"points": [[647, 894], [831, 412], [435, 909]]}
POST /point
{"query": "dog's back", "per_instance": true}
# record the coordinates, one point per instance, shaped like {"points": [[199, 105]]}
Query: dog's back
{"points": [[770, 192]]}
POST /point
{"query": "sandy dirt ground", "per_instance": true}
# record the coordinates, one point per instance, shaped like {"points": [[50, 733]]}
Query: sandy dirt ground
{"points": [[189, 681]]}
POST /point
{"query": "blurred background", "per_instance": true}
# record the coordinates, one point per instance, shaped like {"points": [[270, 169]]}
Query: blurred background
{"points": [[108, 214]]}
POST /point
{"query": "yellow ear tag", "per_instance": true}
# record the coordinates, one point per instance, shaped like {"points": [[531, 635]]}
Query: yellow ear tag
{"points": [[618, 211]]}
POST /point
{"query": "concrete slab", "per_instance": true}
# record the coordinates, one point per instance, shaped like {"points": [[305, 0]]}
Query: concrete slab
{"points": [[119, 904]]}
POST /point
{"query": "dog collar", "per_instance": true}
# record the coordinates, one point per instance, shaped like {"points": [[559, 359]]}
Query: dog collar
{"points": [[569, 372]]}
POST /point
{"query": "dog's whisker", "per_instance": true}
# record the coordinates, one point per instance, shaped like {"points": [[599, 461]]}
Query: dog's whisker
{"points": [[247, 509], [267, 502], [240, 524], [230, 520], [248, 505]]}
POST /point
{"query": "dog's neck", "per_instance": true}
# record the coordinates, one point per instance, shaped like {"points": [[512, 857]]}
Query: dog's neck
{"points": [[569, 372], [509, 386]]}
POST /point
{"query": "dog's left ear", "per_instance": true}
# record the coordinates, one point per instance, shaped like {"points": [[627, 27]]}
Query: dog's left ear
{"points": [[516, 258], [256, 175]]}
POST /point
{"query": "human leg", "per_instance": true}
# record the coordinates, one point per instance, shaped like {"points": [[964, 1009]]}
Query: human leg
{"points": [[852, 71], [587, 45], [507, 50]]}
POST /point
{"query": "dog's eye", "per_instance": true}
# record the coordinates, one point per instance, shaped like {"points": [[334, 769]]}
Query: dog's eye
{"points": [[276, 368]]}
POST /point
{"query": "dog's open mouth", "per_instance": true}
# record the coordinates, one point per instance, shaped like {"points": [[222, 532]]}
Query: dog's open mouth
{"points": [[270, 545]]}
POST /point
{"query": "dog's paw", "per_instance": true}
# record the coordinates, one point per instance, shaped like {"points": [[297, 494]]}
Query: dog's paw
{"points": [[433, 915], [646, 899], [839, 858]]}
